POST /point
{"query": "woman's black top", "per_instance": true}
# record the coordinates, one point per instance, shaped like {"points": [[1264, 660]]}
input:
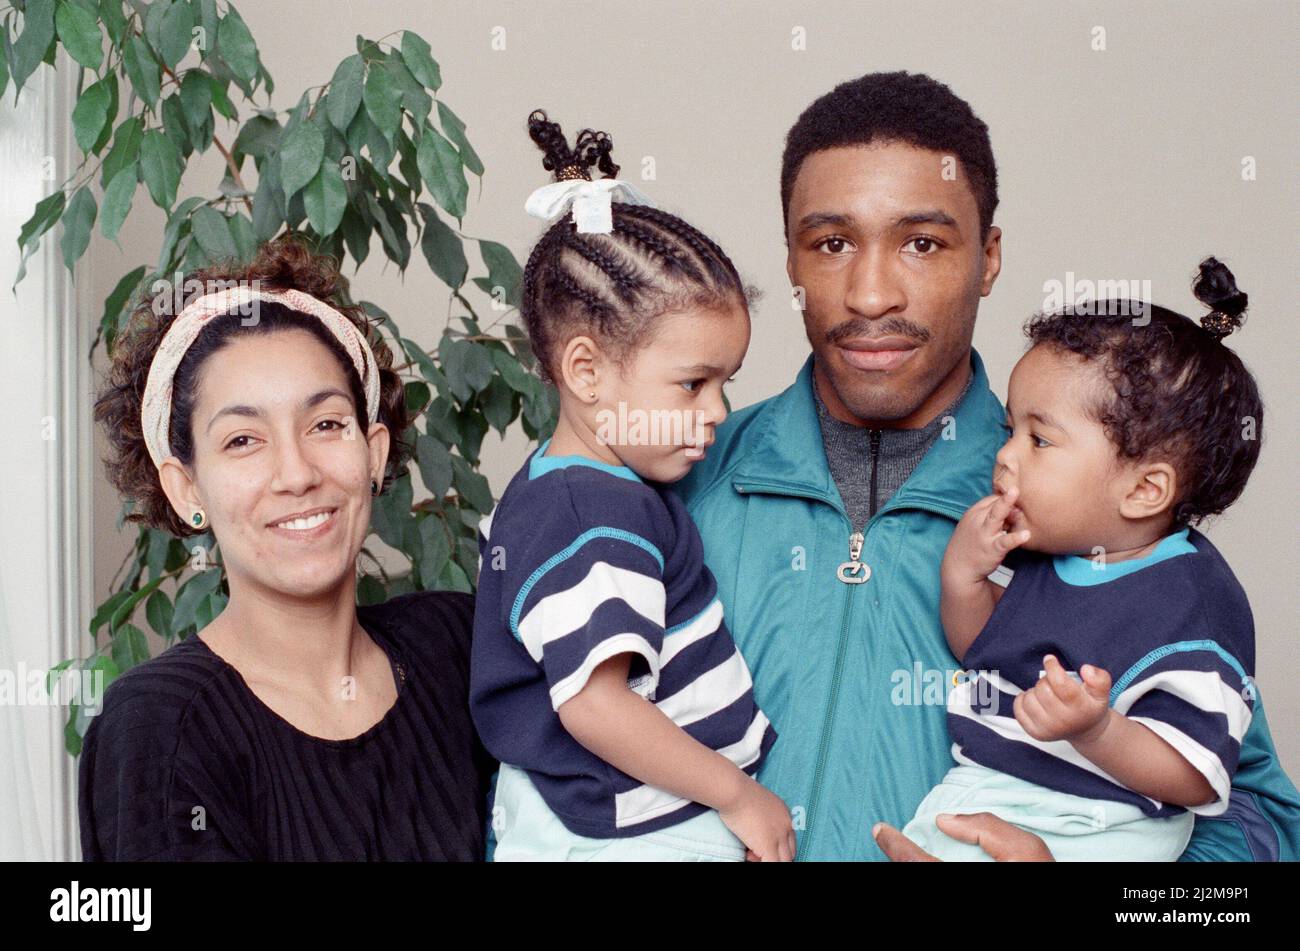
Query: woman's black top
{"points": [[185, 763]]}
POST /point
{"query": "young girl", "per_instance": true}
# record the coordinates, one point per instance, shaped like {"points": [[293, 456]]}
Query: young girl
{"points": [[1108, 687], [603, 676]]}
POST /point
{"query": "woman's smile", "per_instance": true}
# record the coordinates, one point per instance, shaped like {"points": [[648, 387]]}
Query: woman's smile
{"points": [[307, 525]]}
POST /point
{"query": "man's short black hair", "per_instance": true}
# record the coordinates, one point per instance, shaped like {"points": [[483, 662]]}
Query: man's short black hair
{"points": [[897, 107]]}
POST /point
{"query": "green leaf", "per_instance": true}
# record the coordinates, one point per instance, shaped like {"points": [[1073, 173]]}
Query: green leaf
{"points": [[158, 612], [207, 15], [196, 99], [142, 69], [208, 610], [516, 377], [416, 101], [77, 225], [428, 369], [417, 397], [503, 270], [391, 511], [91, 112], [345, 92], [213, 234], [51, 674], [268, 202], [300, 158], [467, 365], [161, 163], [175, 126], [105, 611], [123, 612], [79, 31], [130, 647], [259, 137], [236, 46], [415, 53], [125, 150], [47, 212], [356, 233], [471, 485], [392, 229], [241, 229], [370, 590], [158, 546], [434, 549], [4, 61], [30, 47], [443, 173], [117, 201], [325, 198], [435, 465], [455, 130], [174, 34], [498, 404], [383, 101], [442, 248], [118, 299], [192, 594], [220, 100]]}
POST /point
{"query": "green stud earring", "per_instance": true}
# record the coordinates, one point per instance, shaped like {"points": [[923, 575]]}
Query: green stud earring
{"points": [[199, 519]]}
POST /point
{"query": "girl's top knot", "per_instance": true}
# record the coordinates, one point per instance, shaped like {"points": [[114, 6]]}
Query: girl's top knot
{"points": [[1217, 288]]}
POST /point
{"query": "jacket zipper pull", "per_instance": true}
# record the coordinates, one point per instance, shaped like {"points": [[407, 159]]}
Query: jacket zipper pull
{"points": [[854, 571]]}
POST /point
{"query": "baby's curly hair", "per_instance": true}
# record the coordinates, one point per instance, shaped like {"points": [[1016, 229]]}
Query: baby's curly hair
{"points": [[284, 264], [1176, 390]]}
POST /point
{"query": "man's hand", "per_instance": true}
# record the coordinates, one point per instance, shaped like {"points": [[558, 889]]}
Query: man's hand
{"points": [[1058, 708], [981, 539], [999, 838]]}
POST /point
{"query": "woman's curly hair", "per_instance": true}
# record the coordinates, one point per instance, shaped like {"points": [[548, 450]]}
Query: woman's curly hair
{"points": [[1177, 391], [284, 264]]}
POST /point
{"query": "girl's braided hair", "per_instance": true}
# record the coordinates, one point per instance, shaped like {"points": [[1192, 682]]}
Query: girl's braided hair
{"points": [[613, 287]]}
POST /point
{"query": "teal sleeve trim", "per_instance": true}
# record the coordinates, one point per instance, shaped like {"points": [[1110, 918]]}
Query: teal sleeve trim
{"points": [[1165, 650], [603, 531]]}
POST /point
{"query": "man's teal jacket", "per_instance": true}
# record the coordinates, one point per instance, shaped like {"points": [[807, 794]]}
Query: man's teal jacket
{"points": [[854, 676]]}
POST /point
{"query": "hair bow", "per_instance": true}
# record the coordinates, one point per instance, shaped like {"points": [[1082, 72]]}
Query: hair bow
{"points": [[591, 202]]}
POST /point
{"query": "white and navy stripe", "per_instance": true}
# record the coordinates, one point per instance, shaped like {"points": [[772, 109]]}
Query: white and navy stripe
{"points": [[600, 563]]}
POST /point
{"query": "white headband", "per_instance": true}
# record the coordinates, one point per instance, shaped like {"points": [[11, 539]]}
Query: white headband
{"points": [[156, 407], [590, 202]]}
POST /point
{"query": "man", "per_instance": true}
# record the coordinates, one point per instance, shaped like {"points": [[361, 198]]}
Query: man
{"points": [[825, 510]]}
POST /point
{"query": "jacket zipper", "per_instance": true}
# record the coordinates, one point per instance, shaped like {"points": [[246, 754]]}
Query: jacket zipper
{"points": [[856, 540], [855, 550]]}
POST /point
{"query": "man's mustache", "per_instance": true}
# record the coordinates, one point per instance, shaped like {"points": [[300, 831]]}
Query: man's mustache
{"points": [[868, 329]]}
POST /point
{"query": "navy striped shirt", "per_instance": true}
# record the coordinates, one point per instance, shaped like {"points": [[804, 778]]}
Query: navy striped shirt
{"points": [[1173, 630], [581, 561]]}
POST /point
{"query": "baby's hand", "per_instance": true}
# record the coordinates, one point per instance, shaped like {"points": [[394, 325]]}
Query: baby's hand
{"points": [[760, 819], [980, 540], [1058, 708]]}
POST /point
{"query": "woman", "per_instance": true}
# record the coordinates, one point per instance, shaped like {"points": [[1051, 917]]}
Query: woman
{"points": [[295, 725]]}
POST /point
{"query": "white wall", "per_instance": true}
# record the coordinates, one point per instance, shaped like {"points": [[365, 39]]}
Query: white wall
{"points": [[45, 469]]}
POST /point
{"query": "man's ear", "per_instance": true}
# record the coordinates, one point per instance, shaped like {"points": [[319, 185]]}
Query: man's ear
{"points": [[992, 258], [179, 488], [1151, 488]]}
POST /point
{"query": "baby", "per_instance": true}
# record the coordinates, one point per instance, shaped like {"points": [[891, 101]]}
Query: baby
{"points": [[1108, 648], [602, 673]]}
